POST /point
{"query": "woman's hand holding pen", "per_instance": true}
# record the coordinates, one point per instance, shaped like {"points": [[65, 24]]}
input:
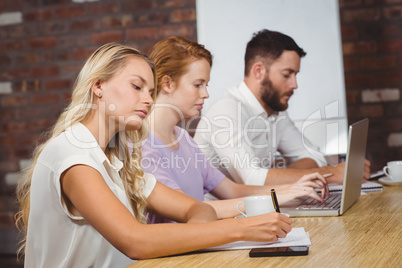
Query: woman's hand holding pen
{"points": [[306, 185], [266, 227]]}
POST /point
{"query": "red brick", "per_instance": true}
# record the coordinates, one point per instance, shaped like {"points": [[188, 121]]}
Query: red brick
{"points": [[3, 6], [183, 30], [83, 53], [32, 139], [14, 4], [136, 5], [67, 97], [11, 46], [378, 63], [84, 25], [391, 78], [30, 112], [45, 71], [142, 34], [42, 42], [361, 14], [76, 40], [352, 96], [392, 45], [16, 127], [5, 60], [106, 8], [8, 141], [394, 12], [106, 37], [55, 27], [8, 166], [31, 58], [350, 3], [362, 47], [48, 98], [183, 15], [6, 115], [391, 30], [351, 64], [24, 153], [14, 100], [170, 4], [361, 111], [27, 85], [37, 15], [60, 84], [348, 32], [23, 31], [152, 18], [146, 47], [72, 69], [70, 11], [14, 73], [57, 55], [117, 21], [360, 80], [41, 124]]}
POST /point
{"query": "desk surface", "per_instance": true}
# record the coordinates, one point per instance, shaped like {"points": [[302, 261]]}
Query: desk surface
{"points": [[369, 234]]}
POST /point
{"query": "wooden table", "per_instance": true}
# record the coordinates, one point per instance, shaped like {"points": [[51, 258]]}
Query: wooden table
{"points": [[369, 234]]}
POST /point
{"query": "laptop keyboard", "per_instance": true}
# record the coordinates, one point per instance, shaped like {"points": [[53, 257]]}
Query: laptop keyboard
{"points": [[332, 202]]}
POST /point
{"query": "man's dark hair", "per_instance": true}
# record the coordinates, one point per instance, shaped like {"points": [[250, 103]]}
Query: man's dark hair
{"points": [[267, 46]]}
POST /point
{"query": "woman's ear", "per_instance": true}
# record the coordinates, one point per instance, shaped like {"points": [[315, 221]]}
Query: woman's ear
{"points": [[167, 84], [97, 89]]}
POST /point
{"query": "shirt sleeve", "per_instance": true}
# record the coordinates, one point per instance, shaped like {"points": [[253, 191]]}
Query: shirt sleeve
{"points": [[293, 145], [153, 162], [149, 186], [211, 175], [221, 131]]}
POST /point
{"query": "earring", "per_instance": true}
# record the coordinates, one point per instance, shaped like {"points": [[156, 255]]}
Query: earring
{"points": [[99, 94]]}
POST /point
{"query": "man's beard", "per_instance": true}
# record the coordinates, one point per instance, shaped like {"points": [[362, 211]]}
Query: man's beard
{"points": [[270, 96]]}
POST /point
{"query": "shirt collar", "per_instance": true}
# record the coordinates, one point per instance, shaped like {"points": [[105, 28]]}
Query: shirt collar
{"points": [[253, 104], [250, 100], [80, 136]]}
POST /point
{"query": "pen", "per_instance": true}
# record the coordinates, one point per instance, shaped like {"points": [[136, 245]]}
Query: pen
{"points": [[274, 200]]}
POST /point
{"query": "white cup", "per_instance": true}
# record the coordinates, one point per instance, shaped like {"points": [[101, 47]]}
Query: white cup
{"points": [[393, 170], [256, 205]]}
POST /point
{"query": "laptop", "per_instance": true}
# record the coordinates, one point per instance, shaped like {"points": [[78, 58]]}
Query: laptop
{"points": [[338, 203]]}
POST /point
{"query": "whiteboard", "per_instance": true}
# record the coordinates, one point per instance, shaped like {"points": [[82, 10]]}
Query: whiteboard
{"points": [[225, 27]]}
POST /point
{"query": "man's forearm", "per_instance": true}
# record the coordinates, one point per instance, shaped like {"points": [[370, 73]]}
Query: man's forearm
{"points": [[304, 163]]}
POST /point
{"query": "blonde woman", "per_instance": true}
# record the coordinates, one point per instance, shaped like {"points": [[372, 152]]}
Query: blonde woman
{"points": [[84, 198], [183, 69]]}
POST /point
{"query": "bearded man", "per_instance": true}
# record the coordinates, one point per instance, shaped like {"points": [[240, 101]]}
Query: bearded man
{"points": [[244, 131]]}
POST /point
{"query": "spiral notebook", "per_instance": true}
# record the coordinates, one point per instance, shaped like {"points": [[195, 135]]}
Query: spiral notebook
{"points": [[366, 187]]}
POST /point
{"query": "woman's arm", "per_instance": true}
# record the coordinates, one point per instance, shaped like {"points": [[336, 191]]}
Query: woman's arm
{"points": [[178, 206], [92, 199], [232, 192]]}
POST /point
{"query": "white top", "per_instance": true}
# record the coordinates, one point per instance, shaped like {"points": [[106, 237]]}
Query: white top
{"points": [[238, 136], [55, 237]]}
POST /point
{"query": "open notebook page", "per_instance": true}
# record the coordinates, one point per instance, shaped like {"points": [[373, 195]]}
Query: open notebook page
{"points": [[296, 237]]}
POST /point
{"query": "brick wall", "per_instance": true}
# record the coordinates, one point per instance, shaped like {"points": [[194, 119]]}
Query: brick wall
{"points": [[44, 43], [372, 49]]}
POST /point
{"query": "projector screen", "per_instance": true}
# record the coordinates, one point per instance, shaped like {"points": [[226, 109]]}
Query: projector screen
{"points": [[318, 106]]}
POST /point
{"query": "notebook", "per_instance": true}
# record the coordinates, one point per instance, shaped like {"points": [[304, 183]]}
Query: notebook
{"points": [[351, 181], [368, 186]]}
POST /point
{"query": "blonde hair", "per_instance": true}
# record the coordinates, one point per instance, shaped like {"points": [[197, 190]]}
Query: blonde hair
{"points": [[103, 64]]}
